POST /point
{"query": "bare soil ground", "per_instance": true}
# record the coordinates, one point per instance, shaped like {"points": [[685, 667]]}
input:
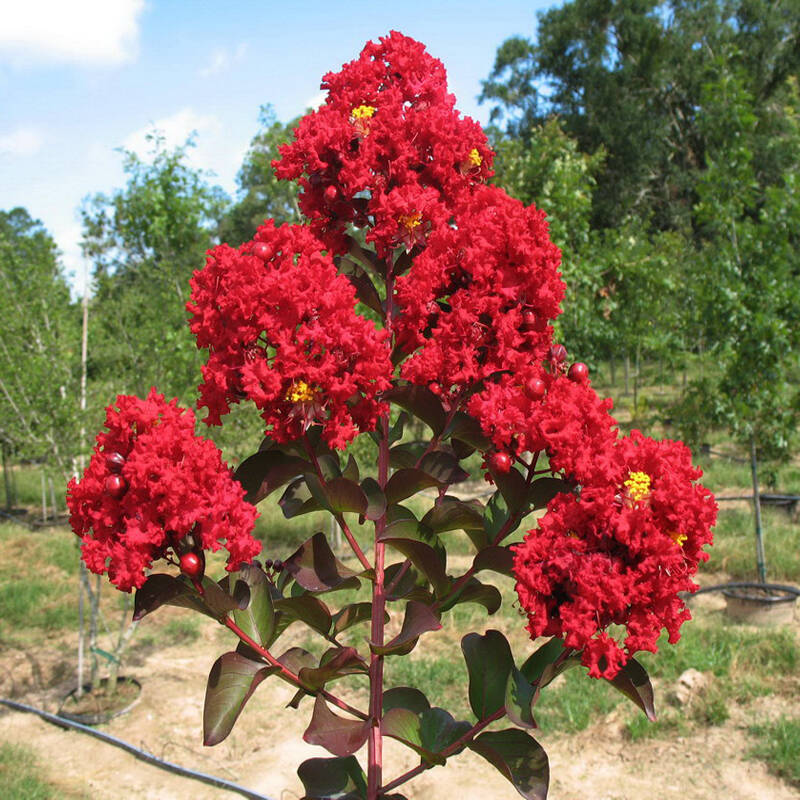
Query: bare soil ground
{"points": [[266, 745]]}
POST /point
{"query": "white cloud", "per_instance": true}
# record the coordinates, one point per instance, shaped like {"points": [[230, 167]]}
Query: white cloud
{"points": [[80, 31], [24, 141], [222, 59], [316, 101], [215, 149]]}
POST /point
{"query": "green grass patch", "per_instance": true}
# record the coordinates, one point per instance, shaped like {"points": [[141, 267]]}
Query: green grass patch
{"points": [[22, 776], [180, 630], [734, 550], [573, 701], [443, 679], [778, 745]]}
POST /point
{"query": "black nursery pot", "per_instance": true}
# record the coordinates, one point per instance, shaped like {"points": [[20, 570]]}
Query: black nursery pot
{"points": [[99, 707], [760, 604]]}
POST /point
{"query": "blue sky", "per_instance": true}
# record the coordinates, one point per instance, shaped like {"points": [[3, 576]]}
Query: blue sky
{"points": [[80, 79]]}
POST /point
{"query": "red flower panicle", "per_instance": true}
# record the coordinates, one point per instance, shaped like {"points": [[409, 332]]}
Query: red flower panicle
{"points": [[282, 331], [151, 482], [618, 555], [386, 146], [479, 299]]}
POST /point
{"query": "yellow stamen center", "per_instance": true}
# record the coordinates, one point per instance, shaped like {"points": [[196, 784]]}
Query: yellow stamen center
{"points": [[678, 538], [474, 157], [363, 112], [411, 221], [300, 392], [638, 486]]}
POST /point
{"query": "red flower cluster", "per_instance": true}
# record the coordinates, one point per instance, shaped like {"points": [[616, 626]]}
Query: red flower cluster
{"points": [[478, 300], [618, 554], [281, 329], [387, 151], [150, 483]]}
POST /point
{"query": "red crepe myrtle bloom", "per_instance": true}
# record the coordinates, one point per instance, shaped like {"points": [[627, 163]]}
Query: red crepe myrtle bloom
{"points": [[388, 126], [478, 300], [282, 330], [177, 486], [618, 555]]}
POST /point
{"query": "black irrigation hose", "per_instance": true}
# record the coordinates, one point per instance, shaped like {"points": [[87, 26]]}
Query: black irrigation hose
{"points": [[748, 585], [212, 780]]}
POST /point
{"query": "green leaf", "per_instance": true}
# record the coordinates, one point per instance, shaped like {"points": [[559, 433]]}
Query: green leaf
{"points": [[407, 482], [443, 467], [520, 696], [543, 656], [438, 731], [425, 559], [297, 499], [512, 486], [419, 619], [338, 735], [352, 615], [451, 514], [376, 499], [337, 495], [542, 491], [496, 515], [314, 566], [474, 591], [335, 663], [159, 589], [495, 558], [489, 663], [467, 429], [400, 523], [362, 283], [421, 402], [267, 470], [232, 681], [257, 619], [351, 470], [333, 779], [304, 608], [519, 758], [634, 682], [404, 725], [408, 586], [407, 698]]}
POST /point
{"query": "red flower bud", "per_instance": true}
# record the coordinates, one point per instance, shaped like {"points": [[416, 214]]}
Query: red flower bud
{"points": [[116, 486], [500, 462], [535, 389], [578, 372], [115, 462], [192, 565], [558, 353], [261, 249]]}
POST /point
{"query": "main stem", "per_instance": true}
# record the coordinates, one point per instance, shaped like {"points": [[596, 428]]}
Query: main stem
{"points": [[375, 739]]}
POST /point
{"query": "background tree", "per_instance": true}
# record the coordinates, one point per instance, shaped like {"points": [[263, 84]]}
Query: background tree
{"points": [[261, 195], [39, 348], [628, 75], [145, 241]]}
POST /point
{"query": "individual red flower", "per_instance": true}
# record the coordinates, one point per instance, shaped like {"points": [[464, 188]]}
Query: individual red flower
{"points": [[479, 299], [618, 555], [388, 125], [282, 330], [151, 486]]}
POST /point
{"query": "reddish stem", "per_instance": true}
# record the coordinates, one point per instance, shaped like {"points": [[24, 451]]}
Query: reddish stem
{"points": [[448, 751], [359, 553], [288, 674]]}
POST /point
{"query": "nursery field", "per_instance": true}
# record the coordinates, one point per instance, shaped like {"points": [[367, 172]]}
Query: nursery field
{"points": [[726, 694]]}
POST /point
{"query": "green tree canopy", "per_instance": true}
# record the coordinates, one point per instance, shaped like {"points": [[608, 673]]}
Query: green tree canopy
{"points": [[145, 241], [39, 345], [260, 194]]}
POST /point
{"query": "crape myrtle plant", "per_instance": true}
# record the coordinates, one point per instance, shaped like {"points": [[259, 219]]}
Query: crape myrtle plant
{"points": [[414, 292]]}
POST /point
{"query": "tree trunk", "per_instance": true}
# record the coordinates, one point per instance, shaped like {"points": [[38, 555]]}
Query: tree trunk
{"points": [[760, 562], [6, 478]]}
